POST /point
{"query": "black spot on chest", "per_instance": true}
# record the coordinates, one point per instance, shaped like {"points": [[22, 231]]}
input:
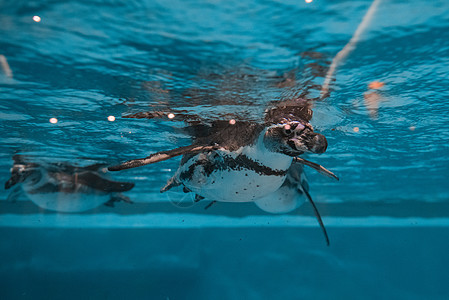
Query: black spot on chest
{"points": [[213, 162]]}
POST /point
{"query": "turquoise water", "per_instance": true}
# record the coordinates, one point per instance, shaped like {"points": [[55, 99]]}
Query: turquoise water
{"points": [[387, 217]]}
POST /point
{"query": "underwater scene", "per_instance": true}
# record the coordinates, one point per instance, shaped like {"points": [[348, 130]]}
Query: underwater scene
{"points": [[252, 149]]}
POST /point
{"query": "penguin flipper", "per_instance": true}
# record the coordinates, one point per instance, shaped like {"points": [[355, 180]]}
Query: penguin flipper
{"points": [[160, 156], [322, 170], [97, 182], [304, 190]]}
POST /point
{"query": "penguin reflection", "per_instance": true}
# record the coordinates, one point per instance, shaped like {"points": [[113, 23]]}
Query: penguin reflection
{"points": [[63, 187], [241, 161]]}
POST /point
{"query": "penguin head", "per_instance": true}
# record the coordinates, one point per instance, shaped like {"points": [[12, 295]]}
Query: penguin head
{"points": [[294, 138], [21, 172], [289, 131]]}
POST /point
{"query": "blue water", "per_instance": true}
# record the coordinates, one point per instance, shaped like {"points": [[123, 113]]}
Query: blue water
{"points": [[387, 217]]}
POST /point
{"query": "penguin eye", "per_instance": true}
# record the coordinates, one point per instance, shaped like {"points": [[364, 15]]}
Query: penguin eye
{"points": [[287, 130], [19, 170]]}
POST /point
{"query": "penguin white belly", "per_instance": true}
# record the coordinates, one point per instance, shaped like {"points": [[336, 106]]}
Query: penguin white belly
{"points": [[83, 199], [68, 202], [233, 185], [241, 176]]}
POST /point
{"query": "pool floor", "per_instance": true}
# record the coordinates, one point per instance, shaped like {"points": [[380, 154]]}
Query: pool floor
{"points": [[400, 262]]}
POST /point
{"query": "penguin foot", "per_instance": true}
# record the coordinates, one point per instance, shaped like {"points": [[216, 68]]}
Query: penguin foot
{"points": [[118, 198], [172, 182], [198, 198]]}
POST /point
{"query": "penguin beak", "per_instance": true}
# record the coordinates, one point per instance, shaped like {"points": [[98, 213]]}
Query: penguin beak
{"points": [[318, 144], [18, 174], [313, 142], [15, 178]]}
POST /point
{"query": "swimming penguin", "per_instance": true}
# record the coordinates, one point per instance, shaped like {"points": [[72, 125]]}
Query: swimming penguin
{"points": [[63, 187], [241, 161]]}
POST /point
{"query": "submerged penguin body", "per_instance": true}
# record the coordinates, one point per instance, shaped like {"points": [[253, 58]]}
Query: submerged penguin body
{"points": [[62, 187]]}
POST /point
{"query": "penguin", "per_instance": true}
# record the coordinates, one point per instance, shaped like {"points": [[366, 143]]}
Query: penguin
{"points": [[63, 187], [242, 161]]}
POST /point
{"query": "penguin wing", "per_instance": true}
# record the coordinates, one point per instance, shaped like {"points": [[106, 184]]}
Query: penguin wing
{"points": [[297, 177], [97, 182], [161, 156], [305, 191], [322, 170]]}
